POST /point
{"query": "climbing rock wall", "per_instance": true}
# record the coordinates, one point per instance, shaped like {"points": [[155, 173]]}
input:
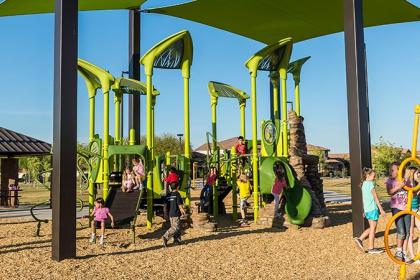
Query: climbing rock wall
{"points": [[306, 166]]}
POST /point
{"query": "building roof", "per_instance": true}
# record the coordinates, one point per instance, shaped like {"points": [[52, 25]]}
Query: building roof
{"points": [[224, 145], [227, 144], [311, 147], [16, 144], [340, 156]]}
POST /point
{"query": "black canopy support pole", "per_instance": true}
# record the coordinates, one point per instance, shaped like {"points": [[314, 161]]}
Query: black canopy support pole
{"points": [[64, 131], [134, 58], [358, 105]]}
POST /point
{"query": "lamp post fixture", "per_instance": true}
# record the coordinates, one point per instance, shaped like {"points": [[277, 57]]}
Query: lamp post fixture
{"points": [[180, 135]]}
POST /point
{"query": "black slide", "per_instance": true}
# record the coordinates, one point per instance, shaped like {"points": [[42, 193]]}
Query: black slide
{"points": [[123, 206]]}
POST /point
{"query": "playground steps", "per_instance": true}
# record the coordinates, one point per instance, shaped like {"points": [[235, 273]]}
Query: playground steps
{"points": [[201, 221], [266, 217], [122, 205]]}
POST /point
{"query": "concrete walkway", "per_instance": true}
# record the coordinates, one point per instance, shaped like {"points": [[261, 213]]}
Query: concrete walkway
{"points": [[44, 213], [23, 212], [333, 197]]}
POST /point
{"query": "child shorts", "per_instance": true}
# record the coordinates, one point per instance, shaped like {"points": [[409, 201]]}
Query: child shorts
{"points": [[243, 204], [372, 215]]}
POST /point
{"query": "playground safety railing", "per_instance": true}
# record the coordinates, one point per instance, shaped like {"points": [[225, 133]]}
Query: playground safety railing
{"points": [[410, 190]]}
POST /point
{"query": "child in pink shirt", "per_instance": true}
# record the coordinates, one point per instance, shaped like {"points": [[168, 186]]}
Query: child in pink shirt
{"points": [[128, 180], [399, 198], [278, 187], [139, 174], [100, 214]]}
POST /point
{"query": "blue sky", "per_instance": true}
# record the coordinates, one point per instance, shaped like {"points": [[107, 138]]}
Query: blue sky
{"points": [[26, 72]]}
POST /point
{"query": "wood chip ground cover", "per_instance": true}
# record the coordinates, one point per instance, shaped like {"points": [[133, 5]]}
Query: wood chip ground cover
{"points": [[232, 253]]}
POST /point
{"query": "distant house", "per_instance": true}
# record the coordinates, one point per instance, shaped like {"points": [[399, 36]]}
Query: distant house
{"points": [[227, 144], [224, 145]]}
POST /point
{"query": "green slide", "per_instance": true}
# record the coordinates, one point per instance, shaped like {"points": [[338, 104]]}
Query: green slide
{"points": [[298, 199]]}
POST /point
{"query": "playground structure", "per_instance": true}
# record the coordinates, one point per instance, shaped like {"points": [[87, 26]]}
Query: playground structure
{"points": [[410, 191], [295, 69], [274, 133], [266, 21], [107, 155], [274, 143], [228, 165]]}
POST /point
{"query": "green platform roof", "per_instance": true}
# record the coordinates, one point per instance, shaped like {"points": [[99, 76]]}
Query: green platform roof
{"points": [[268, 21], [27, 7]]}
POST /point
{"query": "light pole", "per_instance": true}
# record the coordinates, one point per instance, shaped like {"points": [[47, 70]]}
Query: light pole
{"points": [[180, 141]]}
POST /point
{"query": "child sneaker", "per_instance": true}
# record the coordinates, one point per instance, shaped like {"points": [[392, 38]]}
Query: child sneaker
{"points": [[375, 251], [101, 240], [359, 244], [92, 239], [399, 255]]}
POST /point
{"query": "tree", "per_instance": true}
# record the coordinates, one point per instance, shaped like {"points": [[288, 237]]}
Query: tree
{"points": [[166, 143], [384, 153], [35, 166], [322, 157]]}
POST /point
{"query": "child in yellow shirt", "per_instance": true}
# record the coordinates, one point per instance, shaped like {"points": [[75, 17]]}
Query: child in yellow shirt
{"points": [[244, 193]]}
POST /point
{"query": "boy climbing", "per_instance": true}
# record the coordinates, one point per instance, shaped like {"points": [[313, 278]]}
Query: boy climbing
{"points": [[241, 151]]}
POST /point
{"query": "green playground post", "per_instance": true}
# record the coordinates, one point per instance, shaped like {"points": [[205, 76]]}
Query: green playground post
{"points": [[117, 106], [213, 100], [153, 127], [254, 143], [242, 105], [132, 137], [106, 142], [295, 69], [149, 144], [91, 186], [117, 122], [297, 99], [91, 118], [233, 183], [187, 148], [275, 81], [285, 149]]}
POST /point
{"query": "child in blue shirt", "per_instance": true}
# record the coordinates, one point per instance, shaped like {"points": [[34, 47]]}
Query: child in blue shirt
{"points": [[371, 208]]}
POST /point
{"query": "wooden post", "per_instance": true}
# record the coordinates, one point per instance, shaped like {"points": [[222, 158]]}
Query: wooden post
{"points": [[358, 106], [9, 170], [64, 131]]}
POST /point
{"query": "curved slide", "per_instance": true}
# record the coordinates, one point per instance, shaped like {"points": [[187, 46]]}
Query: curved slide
{"points": [[298, 199]]}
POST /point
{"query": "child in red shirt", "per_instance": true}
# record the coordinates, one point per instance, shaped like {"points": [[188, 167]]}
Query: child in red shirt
{"points": [[171, 178], [240, 146]]}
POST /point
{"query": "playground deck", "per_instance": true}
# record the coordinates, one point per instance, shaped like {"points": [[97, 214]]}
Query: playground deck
{"points": [[232, 253]]}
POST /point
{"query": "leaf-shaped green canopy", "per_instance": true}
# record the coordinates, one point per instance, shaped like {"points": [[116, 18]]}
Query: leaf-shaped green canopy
{"points": [[27, 7], [268, 21]]}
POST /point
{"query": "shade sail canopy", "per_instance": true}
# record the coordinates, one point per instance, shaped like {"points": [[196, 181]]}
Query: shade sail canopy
{"points": [[268, 21], [27, 7]]}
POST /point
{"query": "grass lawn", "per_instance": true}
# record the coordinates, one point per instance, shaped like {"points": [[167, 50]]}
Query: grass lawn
{"points": [[34, 194], [342, 185]]}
